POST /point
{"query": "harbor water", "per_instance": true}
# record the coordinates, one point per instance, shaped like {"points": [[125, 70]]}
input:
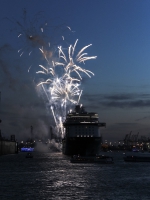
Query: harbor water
{"points": [[52, 176]]}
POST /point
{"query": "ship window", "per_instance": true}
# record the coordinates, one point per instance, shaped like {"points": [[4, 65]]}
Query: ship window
{"points": [[84, 135], [77, 135], [87, 135], [91, 135], [81, 135]]}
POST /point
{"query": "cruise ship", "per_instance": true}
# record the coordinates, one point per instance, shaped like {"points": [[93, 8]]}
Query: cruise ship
{"points": [[82, 133]]}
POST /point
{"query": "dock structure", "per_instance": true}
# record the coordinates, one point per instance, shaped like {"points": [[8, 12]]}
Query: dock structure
{"points": [[8, 146]]}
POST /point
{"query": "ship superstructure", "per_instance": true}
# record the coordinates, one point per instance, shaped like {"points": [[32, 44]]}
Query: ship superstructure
{"points": [[82, 133]]}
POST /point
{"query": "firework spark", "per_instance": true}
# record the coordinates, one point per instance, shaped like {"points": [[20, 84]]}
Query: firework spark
{"points": [[70, 64]]}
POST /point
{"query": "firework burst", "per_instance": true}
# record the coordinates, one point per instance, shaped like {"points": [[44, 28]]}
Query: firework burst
{"points": [[61, 77], [62, 88]]}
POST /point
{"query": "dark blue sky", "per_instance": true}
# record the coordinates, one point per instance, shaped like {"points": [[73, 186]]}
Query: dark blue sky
{"points": [[119, 32]]}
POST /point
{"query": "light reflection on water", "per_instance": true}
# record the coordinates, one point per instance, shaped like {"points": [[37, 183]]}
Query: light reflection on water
{"points": [[52, 176]]}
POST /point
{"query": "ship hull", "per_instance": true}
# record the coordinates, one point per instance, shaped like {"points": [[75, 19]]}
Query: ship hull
{"points": [[81, 146]]}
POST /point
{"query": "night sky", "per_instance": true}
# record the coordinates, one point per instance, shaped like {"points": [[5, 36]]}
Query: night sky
{"points": [[119, 32]]}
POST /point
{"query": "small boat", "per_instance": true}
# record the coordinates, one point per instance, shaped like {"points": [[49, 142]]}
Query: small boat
{"points": [[96, 159], [29, 155], [137, 158]]}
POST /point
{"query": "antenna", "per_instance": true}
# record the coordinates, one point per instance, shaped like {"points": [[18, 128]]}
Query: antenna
{"points": [[0, 112], [31, 131]]}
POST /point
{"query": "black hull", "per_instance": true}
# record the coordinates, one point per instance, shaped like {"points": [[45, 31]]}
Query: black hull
{"points": [[136, 159], [81, 146]]}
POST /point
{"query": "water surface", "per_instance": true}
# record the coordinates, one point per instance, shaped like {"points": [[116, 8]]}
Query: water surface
{"points": [[52, 176]]}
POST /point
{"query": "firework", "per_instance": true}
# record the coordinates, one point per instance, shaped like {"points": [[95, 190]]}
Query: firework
{"points": [[34, 32], [62, 89], [61, 78]]}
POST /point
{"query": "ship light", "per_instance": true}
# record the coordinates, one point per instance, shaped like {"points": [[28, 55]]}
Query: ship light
{"points": [[27, 149]]}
